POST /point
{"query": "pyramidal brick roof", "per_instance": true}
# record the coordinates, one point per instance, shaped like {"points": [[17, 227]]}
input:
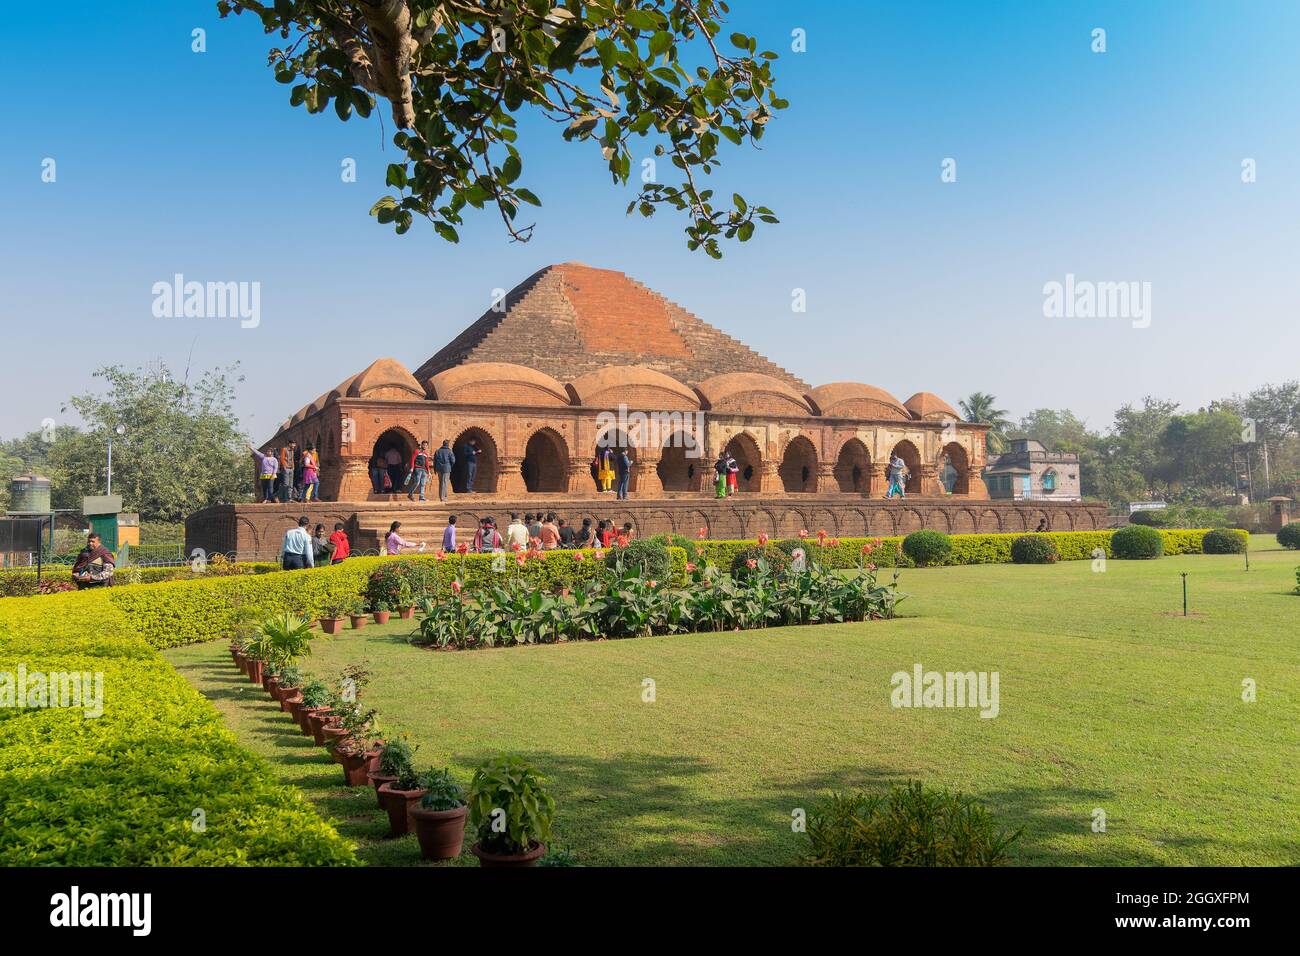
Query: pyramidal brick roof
{"points": [[570, 319]]}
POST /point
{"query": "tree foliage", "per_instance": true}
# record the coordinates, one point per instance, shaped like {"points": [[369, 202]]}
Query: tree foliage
{"points": [[457, 73], [981, 408]]}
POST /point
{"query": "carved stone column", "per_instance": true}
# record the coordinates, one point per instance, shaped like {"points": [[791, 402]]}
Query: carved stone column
{"points": [[826, 483], [879, 482], [645, 479], [931, 487], [510, 481], [769, 478]]}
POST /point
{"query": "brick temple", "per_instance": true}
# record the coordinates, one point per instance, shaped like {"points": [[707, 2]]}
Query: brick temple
{"points": [[575, 359]]}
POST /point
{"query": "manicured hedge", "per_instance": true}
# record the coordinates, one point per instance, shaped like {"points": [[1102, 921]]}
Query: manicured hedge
{"points": [[121, 789], [966, 548], [22, 582]]}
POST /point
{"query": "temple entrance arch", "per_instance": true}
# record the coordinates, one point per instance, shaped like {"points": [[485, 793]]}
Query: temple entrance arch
{"points": [[545, 467], [798, 469], [487, 468], [745, 450], [680, 466], [613, 440], [912, 459], [853, 468], [954, 469], [395, 447]]}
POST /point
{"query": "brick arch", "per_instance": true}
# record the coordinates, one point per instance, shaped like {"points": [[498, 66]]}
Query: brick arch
{"points": [[404, 440], [748, 452], [937, 519], [956, 455], [825, 520], [853, 467], [989, 521], [545, 466], [963, 522], [798, 469], [907, 451], [681, 467], [488, 469], [615, 440], [883, 523], [762, 521]]}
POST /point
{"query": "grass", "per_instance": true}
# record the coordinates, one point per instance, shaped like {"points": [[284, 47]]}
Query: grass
{"points": [[1110, 700]]}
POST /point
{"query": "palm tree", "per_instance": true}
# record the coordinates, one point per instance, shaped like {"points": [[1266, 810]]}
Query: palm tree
{"points": [[979, 408]]}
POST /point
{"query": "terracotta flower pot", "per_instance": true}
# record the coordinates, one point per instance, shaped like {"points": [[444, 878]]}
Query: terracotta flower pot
{"points": [[354, 767], [271, 685], [304, 718], [334, 735], [535, 853], [331, 625], [289, 702], [398, 803], [381, 617], [319, 721], [406, 613], [255, 671], [441, 832], [378, 780], [358, 621]]}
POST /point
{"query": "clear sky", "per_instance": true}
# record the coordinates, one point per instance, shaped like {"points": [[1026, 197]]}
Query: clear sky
{"points": [[1116, 166]]}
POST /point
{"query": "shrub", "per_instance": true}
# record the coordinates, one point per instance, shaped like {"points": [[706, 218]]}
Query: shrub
{"points": [[648, 555], [395, 757], [1137, 542], [1288, 536], [1223, 541], [442, 792], [1034, 549], [508, 783], [927, 547], [778, 561], [911, 826]]}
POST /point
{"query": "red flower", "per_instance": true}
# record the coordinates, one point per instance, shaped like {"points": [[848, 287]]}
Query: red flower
{"points": [[751, 563], [871, 566], [690, 567], [579, 556], [702, 533], [516, 546], [456, 587], [599, 555], [803, 532], [462, 548], [867, 549], [653, 583], [762, 540], [521, 560], [442, 555], [835, 542], [821, 534]]}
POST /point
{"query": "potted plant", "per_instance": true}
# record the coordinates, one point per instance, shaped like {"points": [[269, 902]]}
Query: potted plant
{"points": [[331, 619], [439, 817], [315, 700], [510, 811], [290, 685], [405, 600], [358, 615], [399, 797], [381, 611], [394, 758], [351, 748]]}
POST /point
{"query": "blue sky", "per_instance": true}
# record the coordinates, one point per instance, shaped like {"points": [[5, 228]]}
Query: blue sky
{"points": [[1121, 166]]}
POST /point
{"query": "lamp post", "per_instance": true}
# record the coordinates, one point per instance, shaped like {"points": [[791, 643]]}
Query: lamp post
{"points": [[119, 430]]}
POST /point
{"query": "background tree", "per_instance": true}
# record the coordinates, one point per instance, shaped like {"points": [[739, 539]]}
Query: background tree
{"points": [[980, 407], [456, 72]]}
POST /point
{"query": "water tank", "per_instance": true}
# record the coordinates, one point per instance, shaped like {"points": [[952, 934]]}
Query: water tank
{"points": [[29, 494]]}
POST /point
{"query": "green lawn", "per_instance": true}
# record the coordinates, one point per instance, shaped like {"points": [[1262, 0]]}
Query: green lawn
{"points": [[1109, 699]]}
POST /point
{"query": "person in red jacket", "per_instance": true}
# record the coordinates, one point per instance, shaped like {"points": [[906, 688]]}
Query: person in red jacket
{"points": [[342, 546]]}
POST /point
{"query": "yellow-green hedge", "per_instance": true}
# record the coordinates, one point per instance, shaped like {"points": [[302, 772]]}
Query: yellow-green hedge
{"points": [[966, 548], [121, 789], [21, 582]]}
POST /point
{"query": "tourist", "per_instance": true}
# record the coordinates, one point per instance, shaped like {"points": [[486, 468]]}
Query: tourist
{"points": [[94, 566], [417, 473], [628, 531], [378, 472], [469, 452], [567, 537], [1042, 526], [444, 460], [584, 536], [287, 455], [605, 533], [310, 475], [449, 535], [605, 469], [894, 472], [534, 523], [487, 539], [516, 533], [296, 552], [342, 546], [623, 467], [268, 466], [733, 475], [321, 547], [394, 542], [720, 472], [393, 465], [550, 533]]}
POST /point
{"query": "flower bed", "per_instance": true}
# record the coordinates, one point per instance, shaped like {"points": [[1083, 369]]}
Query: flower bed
{"points": [[156, 779]]}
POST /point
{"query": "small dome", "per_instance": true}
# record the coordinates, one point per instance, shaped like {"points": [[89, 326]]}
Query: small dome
{"points": [[634, 386], [857, 400], [751, 393], [930, 407], [385, 378], [510, 385]]}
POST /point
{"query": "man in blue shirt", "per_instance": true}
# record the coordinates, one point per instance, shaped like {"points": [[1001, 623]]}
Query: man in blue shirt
{"points": [[469, 452], [296, 552], [444, 459]]}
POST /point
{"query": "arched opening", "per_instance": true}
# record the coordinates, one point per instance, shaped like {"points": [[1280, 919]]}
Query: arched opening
{"points": [[912, 462], [954, 470], [610, 443], [486, 468], [853, 468], [394, 448], [679, 463], [545, 467], [798, 469], [745, 450], [1049, 481]]}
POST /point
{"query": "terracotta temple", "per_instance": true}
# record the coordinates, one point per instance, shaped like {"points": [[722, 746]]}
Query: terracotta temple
{"points": [[577, 358]]}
